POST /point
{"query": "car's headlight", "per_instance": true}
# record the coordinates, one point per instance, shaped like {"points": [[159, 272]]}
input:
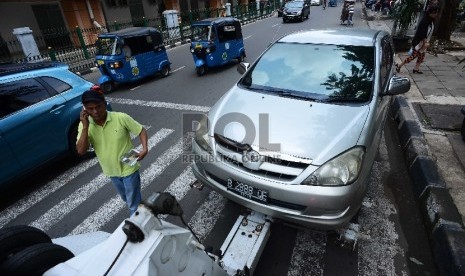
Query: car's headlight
{"points": [[342, 170], [201, 135], [299, 13]]}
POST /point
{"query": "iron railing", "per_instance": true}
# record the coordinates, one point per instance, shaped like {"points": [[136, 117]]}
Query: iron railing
{"points": [[76, 47]]}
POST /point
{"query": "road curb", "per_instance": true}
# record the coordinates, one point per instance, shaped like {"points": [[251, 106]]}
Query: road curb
{"points": [[443, 221]]}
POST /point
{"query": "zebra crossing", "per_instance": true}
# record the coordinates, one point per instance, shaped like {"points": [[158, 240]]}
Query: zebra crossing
{"points": [[377, 246]]}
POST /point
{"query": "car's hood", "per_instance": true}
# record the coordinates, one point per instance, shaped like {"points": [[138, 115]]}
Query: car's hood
{"points": [[303, 129]]}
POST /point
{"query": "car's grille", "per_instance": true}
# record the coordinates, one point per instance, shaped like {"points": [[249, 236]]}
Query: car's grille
{"points": [[271, 201], [280, 169]]}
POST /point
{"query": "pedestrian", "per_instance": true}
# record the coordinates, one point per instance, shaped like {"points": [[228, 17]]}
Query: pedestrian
{"points": [[420, 41], [350, 9], [109, 134]]}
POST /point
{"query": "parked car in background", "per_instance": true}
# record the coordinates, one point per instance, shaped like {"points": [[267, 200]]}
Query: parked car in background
{"points": [[296, 10], [39, 113], [316, 2], [297, 136]]}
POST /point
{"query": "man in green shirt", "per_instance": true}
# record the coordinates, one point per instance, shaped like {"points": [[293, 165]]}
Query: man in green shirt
{"points": [[109, 133]]}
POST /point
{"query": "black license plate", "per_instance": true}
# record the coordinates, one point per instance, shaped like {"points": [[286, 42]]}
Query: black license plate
{"points": [[247, 191]]}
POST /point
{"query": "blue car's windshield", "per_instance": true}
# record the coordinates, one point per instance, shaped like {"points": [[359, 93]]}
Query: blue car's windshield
{"points": [[107, 46], [318, 72]]}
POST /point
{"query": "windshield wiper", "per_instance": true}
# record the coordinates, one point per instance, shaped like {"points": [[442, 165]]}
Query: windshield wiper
{"points": [[288, 94], [332, 99]]}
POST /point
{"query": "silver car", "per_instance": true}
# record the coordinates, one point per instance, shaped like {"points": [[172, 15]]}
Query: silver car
{"points": [[296, 137]]}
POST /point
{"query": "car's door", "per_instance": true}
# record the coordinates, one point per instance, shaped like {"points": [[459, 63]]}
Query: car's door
{"points": [[33, 130], [9, 165]]}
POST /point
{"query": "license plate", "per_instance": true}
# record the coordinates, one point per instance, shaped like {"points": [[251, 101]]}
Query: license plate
{"points": [[247, 191], [99, 62]]}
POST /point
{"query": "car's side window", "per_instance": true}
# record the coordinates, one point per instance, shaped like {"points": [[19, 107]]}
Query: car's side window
{"points": [[17, 95], [58, 85]]}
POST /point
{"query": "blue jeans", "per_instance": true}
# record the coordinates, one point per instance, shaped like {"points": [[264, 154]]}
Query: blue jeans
{"points": [[128, 188]]}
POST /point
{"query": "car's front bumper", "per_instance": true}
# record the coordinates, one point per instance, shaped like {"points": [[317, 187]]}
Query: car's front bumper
{"points": [[312, 206]]}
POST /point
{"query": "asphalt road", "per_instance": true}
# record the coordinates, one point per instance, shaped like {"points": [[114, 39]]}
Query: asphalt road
{"points": [[71, 197]]}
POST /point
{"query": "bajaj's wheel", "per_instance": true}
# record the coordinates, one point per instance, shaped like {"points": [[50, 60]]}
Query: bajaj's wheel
{"points": [[201, 70], [36, 259], [241, 58], [165, 71], [107, 87]]}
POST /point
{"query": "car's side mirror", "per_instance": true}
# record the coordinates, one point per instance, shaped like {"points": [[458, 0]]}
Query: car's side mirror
{"points": [[398, 85], [242, 67]]}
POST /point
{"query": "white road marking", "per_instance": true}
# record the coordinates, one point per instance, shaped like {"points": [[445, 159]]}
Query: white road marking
{"points": [[134, 88], [64, 207], [207, 214], [177, 69], [30, 200], [247, 37], [307, 256], [111, 207], [160, 104], [275, 25]]}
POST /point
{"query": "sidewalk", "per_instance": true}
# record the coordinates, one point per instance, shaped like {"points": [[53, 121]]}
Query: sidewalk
{"points": [[429, 121]]}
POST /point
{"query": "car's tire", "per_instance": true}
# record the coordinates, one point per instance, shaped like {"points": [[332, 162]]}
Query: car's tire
{"points": [[201, 70], [15, 238], [72, 139], [462, 130], [35, 259], [301, 18], [284, 20], [165, 71], [108, 86]]}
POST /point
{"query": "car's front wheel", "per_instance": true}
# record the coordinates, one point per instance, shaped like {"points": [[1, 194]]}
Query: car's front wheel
{"points": [[108, 86], [72, 140]]}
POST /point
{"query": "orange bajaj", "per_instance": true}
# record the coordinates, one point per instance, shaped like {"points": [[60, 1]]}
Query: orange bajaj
{"points": [[129, 55]]}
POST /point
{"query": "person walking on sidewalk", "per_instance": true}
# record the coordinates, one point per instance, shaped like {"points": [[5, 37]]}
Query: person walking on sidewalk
{"points": [[420, 42], [109, 134]]}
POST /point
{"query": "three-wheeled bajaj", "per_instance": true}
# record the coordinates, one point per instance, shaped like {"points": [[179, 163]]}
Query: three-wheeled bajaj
{"points": [[216, 42], [130, 54]]}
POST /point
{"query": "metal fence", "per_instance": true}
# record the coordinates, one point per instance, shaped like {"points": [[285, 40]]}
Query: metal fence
{"points": [[76, 47]]}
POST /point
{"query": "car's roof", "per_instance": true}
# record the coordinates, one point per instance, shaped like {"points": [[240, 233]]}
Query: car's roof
{"points": [[346, 36], [7, 69]]}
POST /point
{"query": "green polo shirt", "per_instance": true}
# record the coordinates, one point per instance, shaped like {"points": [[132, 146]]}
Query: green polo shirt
{"points": [[113, 140]]}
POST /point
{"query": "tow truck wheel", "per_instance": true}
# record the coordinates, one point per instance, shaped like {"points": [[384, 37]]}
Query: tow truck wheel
{"points": [[108, 86], [36, 259], [201, 70], [16, 238], [165, 71]]}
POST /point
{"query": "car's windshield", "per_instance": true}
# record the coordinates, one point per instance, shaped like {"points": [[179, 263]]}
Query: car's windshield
{"points": [[294, 5], [200, 33], [108, 46], [314, 71]]}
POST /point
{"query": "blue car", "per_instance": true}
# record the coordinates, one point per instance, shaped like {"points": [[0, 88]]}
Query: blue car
{"points": [[39, 113]]}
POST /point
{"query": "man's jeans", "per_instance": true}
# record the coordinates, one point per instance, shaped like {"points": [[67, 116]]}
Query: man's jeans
{"points": [[128, 188]]}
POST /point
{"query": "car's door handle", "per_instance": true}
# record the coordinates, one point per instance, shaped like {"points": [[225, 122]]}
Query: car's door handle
{"points": [[57, 108]]}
